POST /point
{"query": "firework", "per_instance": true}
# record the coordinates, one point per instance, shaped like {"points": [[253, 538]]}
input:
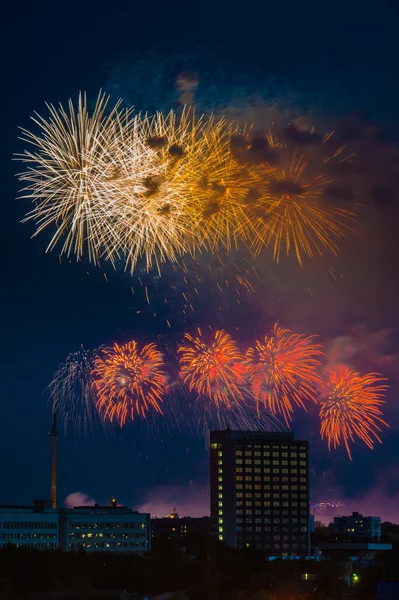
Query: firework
{"points": [[193, 199], [290, 206], [129, 382], [71, 393], [70, 175], [212, 370], [119, 186], [282, 371], [350, 407]]}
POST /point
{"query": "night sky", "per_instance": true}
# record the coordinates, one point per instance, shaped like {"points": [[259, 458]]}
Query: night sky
{"points": [[322, 63]]}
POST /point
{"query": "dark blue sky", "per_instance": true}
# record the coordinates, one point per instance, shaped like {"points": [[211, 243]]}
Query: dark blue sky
{"points": [[336, 57]]}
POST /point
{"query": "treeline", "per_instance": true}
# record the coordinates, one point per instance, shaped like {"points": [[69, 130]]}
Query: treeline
{"points": [[204, 570]]}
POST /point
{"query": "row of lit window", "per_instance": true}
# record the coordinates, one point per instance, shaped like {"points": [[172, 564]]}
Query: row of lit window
{"points": [[259, 520], [268, 469], [29, 536], [249, 470], [250, 495], [302, 538], [250, 511], [276, 521], [260, 486], [38, 545], [267, 464], [268, 533], [293, 513], [30, 525], [277, 546], [280, 487], [91, 545], [275, 453], [249, 502], [292, 481], [107, 525], [108, 536]]}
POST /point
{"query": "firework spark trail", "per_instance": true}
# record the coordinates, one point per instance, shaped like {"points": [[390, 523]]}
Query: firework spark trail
{"points": [[350, 407], [282, 371], [212, 370], [72, 396], [129, 382]]}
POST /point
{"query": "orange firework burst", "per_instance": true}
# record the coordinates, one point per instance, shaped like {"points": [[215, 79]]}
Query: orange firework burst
{"points": [[213, 370], [290, 208], [282, 371], [129, 381], [350, 407]]}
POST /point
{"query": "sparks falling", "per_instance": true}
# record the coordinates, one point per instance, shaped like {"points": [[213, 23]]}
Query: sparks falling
{"points": [[72, 395]]}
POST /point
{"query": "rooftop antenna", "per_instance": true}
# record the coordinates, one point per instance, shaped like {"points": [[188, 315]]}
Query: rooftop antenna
{"points": [[53, 435]]}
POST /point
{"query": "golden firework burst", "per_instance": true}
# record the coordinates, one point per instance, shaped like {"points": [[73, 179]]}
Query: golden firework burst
{"points": [[290, 207]]}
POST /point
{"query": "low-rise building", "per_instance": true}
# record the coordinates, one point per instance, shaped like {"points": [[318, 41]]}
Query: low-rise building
{"points": [[358, 527], [33, 526], [104, 528], [175, 527]]}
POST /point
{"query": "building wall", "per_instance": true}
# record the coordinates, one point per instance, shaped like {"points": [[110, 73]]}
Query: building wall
{"points": [[358, 526], [25, 526], [178, 528], [101, 529], [259, 491]]}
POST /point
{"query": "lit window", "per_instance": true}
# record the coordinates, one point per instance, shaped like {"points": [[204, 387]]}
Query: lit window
{"points": [[214, 446]]}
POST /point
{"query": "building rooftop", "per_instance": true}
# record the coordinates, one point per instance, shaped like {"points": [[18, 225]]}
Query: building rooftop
{"points": [[354, 546], [233, 434]]}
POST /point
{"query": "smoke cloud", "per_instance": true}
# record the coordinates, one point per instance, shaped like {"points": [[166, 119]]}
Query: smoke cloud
{"points": [[78, 499], [188, 500]]}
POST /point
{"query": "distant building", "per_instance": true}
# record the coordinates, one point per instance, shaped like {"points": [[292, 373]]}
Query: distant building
{"points": [[33, 526], [175, 527], [365, 552], [358, 527], [259, 491], [311, 524], [104, 528]]}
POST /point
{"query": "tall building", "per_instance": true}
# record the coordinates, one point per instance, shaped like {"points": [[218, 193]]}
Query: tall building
{"points": [[259, 491], [33, 526], [104, 528], [358, 527], [174, 527]]}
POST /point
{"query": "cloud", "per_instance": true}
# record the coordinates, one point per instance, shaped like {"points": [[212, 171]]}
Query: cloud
{"points": [[78, 499], [190, 500]]}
